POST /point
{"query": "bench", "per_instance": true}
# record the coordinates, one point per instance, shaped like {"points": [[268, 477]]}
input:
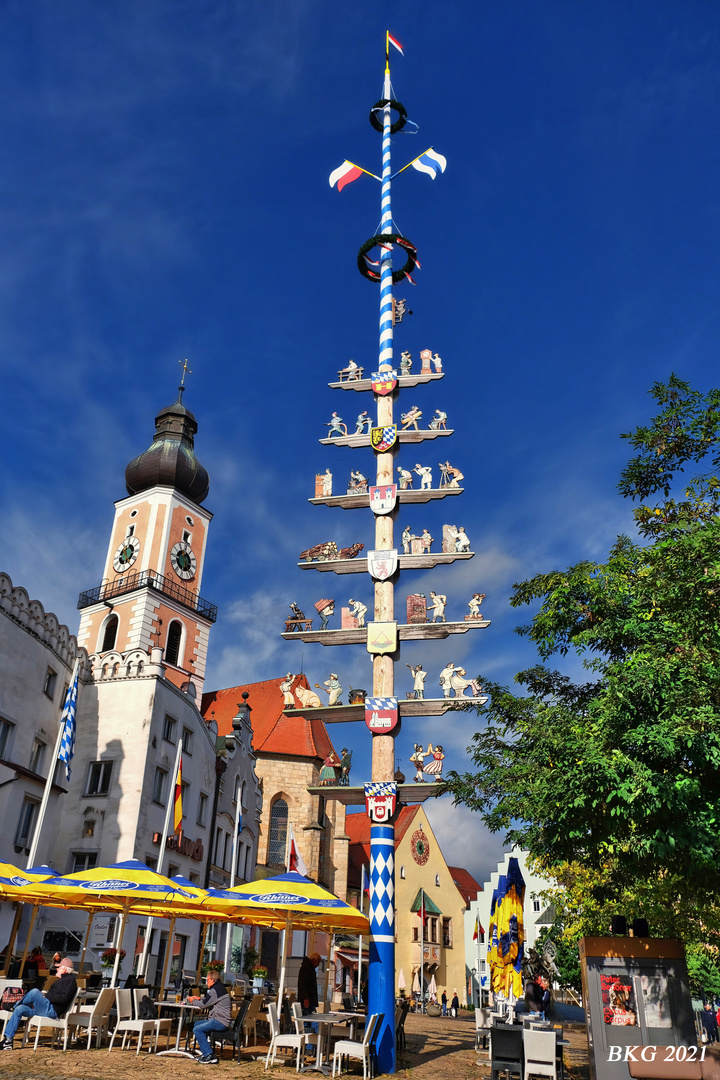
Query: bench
{"points": [[292, 625]]}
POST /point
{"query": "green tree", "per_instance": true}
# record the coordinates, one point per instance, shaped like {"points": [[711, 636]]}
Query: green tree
{"points": [[620, 774], [703, 971]]}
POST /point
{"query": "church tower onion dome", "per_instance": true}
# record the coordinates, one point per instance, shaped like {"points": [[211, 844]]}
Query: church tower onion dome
{"points": [[170, 460]]}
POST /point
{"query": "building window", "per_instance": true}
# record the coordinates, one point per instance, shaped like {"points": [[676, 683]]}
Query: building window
{"points": [[151, 861], [437, 879], [50, 683], [236, 788], [243, 795], [82, 860], [202, 809], [185, 797], [159, 786], [26, 823], [5, 729], [536, 905], [98, 778], [447, 933], [169, 729], [36, 755], [278, 832], [187, 740], [402, 871], [174, 640], [110, 635], [249, 868], [416, 933]]}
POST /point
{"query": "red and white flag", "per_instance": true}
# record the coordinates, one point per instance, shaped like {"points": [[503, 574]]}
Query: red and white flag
{"points": [[344, 175], [296, 863], [394, 41]]}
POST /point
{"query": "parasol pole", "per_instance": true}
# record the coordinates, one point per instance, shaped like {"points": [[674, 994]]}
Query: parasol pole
{"points": [[198, 973], [27, 940], [283, 961], [116, 968], [163, 847], [168, 951], [381, 958], [91, 916]]}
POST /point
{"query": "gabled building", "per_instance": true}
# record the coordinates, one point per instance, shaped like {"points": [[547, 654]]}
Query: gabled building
{"points": [[422, 877]]}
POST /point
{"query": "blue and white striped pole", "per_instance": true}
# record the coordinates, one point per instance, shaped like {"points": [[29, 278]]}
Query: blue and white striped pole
{"points": [[381, 953]]}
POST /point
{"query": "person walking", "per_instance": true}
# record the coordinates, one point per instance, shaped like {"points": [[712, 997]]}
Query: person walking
{"points": [[307, 990], [709, 1022], [455, 1003], [217, 1000], [54, 1004], [443, 999]]}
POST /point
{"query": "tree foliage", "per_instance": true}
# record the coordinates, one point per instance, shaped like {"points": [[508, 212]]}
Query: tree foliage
{"points": [[619, 775]]}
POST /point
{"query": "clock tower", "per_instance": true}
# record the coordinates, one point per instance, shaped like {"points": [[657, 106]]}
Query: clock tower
{"points": [[150, 591]]}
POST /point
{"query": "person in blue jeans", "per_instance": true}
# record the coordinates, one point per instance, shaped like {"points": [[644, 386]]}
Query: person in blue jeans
{"points": [[59, 998], [444, 1003], [219, 1019]]}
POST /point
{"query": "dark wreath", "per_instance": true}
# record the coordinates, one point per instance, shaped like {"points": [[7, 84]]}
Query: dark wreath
{"points": [[399, 108], [387, 238]]}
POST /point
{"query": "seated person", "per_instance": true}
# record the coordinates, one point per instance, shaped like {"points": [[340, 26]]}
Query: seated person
{"points": [[55, 961], [219, 1019], [59, 998], [36, 957]]}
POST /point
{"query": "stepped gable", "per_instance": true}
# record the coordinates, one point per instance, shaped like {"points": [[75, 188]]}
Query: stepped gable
{"points": [[292, 736], [357, 827], [466, 884]]}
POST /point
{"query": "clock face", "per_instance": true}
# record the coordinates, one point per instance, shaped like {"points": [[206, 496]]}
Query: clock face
{"points": [[126, 554], [420, 847], [183, 560]]}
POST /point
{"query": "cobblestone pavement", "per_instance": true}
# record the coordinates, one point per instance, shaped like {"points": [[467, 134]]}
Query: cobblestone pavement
{"points": [[437, 1049]]}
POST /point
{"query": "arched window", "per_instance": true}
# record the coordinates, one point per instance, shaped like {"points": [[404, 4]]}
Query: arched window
{"points": [[174, 639], [110, 635], [278, 832]]}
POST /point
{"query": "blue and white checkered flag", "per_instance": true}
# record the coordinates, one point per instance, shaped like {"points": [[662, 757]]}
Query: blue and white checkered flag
{"points": [[67, 743]]}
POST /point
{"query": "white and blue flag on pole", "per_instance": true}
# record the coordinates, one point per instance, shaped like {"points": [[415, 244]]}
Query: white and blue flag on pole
{"points": [[430, 162], [67, 743]]}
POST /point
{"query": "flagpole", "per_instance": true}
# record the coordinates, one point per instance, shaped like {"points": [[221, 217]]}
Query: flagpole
{"points": [[229, 926], [51, 769], [422, 946], [163, 846], [381, 948]]}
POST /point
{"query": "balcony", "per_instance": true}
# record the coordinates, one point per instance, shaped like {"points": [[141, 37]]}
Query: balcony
{"points": [[149, 579]]}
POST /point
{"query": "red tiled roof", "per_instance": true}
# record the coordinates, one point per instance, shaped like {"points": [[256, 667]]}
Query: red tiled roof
{"points": [[293, 736], [466, 884], [357, 827]]}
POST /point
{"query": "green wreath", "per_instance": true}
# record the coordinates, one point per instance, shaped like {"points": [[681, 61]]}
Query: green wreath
{"points": [[400, 109], [388, 238]]}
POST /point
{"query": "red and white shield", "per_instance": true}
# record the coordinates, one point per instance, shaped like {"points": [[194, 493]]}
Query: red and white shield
{"points": [[381, 714], [380, 800], [382, 564], [383, 498]]}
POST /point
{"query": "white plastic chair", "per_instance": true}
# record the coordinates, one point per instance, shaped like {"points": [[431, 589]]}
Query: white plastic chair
{"points": [[483, 1025], [311, 1037], [291, 1042], [127, 1025], [540, 1053], [251, 1018], [41, 1022], [163, 1025], [95, 1018], [345, 1048]]}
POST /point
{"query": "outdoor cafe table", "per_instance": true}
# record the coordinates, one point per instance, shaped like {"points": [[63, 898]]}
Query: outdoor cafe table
{"points": [[327, 1018], [182, 1007]]}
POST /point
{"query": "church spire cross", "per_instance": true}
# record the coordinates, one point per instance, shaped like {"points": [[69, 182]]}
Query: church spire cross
{"points": [[185, 371]]}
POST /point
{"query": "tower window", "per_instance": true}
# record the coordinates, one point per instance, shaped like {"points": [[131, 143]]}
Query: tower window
{"points": [[174, 639], [278, 832], [110, 635], [131, 530], [50, 683], [186, 537], [133, 513]]}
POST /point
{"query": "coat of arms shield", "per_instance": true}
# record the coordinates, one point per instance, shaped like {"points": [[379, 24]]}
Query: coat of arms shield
{"points": [[382, 564], [383, 498], [384, 382], [382, 438], [381, 714]]}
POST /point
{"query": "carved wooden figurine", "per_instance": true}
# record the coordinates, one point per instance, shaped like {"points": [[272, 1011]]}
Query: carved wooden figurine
{"points": [[358, 483], [329, 552], [439, 421], [345, 766], [406, 480], [297, 621], [434, 767], [455, 539], [418, 760], [358, 610], [325, 608], [439, 600], [407, 538], [350, 373], [405, 363], [323, 484], [333, 689], [363, 422], [330, 770], [286, 690], [410, 418], [425, 474], [428, 359], [419, 677], [427, 540], [474, 605], [336, 426], [450, 476], [308, 698], [454, 678]]}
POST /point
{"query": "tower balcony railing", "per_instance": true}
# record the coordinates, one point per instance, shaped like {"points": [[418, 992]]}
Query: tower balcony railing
{"points": [[149, 579]]}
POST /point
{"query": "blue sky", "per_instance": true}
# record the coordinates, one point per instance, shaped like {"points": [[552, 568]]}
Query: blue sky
{"points": [[164, 193]]}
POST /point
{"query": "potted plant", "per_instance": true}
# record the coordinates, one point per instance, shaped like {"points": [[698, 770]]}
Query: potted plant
{"points": [[107, 960], [216, 965], [259, 975]]}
